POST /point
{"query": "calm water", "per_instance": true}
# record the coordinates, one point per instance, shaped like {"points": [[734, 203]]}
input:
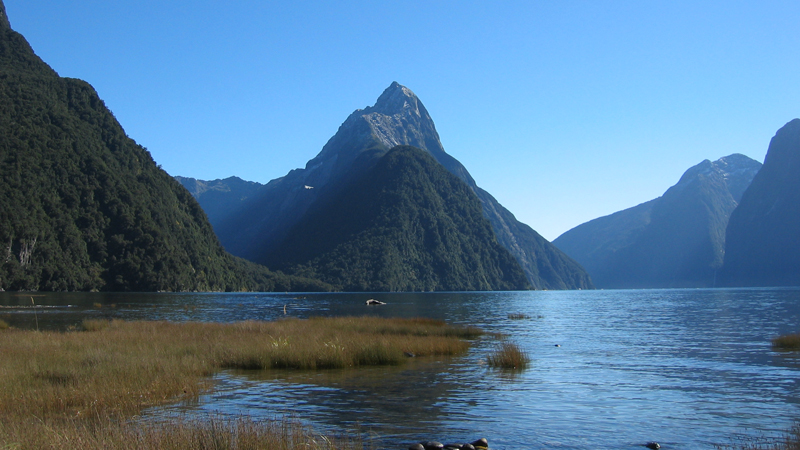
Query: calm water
{"points": [[686, 368]]}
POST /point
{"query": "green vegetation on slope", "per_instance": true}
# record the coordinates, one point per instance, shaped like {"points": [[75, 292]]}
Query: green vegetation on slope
{"points": [[86, 208], [406, 224]]}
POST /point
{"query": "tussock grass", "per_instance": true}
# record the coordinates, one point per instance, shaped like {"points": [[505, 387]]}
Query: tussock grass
{"points": [[94, 324], [80, 389], [121, 367], [3, 325], [787, 342], [178, 434], [509, 356]]}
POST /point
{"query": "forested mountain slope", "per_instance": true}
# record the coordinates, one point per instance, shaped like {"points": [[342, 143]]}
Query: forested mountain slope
{"points": [[86, 208], [404, 224]]}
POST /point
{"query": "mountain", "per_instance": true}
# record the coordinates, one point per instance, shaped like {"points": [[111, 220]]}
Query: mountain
{"points": [[219, 198], [86, 208], [397, 118], [676, 240], [405, 224], [763, 236]]}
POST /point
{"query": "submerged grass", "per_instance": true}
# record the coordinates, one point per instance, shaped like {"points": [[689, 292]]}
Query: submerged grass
{"points": [[75, 383], [509, 356], [789, 441], [518, 316], [787, 342]]}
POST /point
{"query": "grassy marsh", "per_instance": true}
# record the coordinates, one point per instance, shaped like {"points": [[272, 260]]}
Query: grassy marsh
{"points": [[69, 384]]}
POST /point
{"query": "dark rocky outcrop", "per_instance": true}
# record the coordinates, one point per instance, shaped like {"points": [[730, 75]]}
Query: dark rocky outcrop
{"points": [[676, 240], [763, 235], [397, 118]]}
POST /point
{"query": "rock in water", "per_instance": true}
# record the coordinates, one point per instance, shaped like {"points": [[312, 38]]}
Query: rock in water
{"points": [[481, 443]]}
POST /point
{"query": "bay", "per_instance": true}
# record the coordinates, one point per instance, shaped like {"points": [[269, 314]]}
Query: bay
{"points": [[610, 369]]}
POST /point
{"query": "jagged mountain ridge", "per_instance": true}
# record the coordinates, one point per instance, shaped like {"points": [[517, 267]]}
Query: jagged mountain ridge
{"points": [[676, 240], [763, 235], [86, 208], [397, 118]]}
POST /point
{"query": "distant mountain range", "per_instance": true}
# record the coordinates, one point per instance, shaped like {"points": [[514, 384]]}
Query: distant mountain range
{"points": [[676, 240], [220, 198], [83, 207], [263, 221], [763, 236]]}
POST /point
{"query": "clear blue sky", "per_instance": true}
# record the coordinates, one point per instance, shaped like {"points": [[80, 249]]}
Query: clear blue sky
{"points": [[563, 110]]}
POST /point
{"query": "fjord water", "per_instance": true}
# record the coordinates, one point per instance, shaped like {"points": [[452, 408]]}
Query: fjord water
{"points": [[610, 369]]}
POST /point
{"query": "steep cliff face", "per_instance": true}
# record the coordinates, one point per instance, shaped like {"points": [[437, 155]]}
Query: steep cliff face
{"points": [[397, 118], [763, 235], [676, 240]]}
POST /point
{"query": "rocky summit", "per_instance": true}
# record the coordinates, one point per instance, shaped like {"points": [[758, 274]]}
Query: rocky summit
{"points": [[398, 117]]}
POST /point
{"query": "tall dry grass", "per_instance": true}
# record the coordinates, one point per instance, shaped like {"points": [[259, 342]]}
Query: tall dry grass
{"points": [[509, 356], [61, 383], [178, 434]]}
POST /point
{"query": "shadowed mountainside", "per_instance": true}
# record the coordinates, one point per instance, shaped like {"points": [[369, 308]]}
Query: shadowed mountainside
{"points": [[763, 236], [676, 240]]}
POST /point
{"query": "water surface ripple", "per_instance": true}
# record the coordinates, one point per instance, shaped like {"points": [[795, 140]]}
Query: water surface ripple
{"points": [[610, 369]]}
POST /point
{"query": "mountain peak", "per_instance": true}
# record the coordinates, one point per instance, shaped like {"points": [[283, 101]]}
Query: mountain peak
{"points": [[4, 23], [396, 99]]}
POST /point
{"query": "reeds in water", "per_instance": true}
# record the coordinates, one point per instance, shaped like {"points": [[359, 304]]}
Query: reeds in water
{"points": [[79, 389], [120, 366], [787, 342], [789, 441], [509, 356], [518, 316]]}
